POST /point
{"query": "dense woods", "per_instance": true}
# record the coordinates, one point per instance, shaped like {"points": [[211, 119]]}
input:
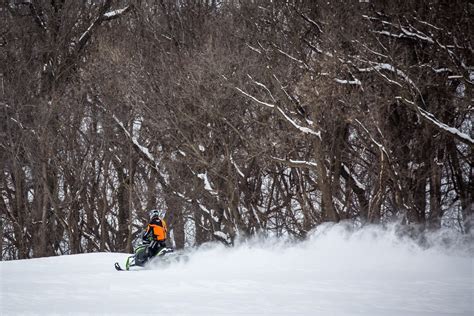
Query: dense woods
{"points": [[233, 117]]}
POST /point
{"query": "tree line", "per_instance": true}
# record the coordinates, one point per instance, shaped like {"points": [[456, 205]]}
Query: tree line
{"points": [[233, 117]]}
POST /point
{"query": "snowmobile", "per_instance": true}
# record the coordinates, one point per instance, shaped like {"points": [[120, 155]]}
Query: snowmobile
{"points": [[140, 256]]}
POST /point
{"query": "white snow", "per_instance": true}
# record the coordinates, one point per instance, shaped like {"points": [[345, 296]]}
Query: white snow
{"points": [[353, 82], [312, 22], [441, 70], [222, 235], [88, 30], [114, 13], [305, 130], [255, 99], [237, 167], [262, 86], [207, 184], [290, 57], [302, 163], [17, 122], [334, 272], [210, 212], [253, 48], [423, 37], [384, 66], [356, 181]]}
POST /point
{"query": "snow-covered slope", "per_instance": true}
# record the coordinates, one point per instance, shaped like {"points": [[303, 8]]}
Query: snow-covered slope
{"points": [[369, 272]]}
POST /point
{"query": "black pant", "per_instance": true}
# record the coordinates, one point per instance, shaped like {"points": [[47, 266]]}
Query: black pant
{"points": [[155, 247]]}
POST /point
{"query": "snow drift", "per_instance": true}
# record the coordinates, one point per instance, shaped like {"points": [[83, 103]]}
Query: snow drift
{"points": [[337, 271]]}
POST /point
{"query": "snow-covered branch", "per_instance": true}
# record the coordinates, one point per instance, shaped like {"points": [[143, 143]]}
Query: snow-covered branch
{"points": [[254, 49], [290, 57], [237, 167], [134, 139], [312, 22], [357, 183], [350, 82], [296, 163], [428, 24], [418, 35], [384, 156], [406, 34], [408, 31], [370, 136], [115, 13], [263, 86], [37, 13], [384, 66], [144, 152], [290, 97], [433, 121], [103, 15], [223, 237], [313, 47], [404, 31], [255, 99], [211, 212], [207, 184], [305, 130]]}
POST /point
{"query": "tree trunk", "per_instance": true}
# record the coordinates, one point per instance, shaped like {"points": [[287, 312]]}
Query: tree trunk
{"points": [[418, 194], [201, 234], [329, 213], [123, 214], [435, 196], [174, 217], [44, 215], [19, 212]]}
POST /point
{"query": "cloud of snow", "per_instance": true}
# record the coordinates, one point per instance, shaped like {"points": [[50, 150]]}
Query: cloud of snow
{"points": [[336, 249], [339, 270]]}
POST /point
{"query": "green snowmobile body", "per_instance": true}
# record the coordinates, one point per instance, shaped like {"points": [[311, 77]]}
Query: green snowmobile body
{"points": [[140, 256]]}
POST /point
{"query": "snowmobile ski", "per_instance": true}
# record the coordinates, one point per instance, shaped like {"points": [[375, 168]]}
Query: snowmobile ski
{"points": [[118, 267]]}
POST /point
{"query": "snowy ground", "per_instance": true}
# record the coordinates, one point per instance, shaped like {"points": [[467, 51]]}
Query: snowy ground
{"points": [[369, 272]]}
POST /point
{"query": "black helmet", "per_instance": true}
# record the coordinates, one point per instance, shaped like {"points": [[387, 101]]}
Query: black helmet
{"points": [[154, 214]]}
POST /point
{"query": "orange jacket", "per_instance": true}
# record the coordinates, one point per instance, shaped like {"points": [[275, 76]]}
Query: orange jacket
{"points": [[158, 228]]}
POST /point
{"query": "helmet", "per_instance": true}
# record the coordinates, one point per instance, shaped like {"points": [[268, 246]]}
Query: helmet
{"points": [[154, 214]]}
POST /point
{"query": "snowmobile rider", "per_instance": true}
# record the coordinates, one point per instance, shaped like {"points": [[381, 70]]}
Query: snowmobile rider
{"points": [[155, 234]]}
